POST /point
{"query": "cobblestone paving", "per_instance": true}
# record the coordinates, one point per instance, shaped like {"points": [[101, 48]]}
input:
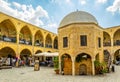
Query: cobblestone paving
{"points": [[27, 74]]}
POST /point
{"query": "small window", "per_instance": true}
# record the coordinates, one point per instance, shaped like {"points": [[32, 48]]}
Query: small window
{"points": [[83, 40], [99, 42], [65, 42]]}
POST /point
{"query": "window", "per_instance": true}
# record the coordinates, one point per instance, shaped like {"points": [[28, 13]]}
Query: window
{"points": [[99, 42], [83, 39], [65, 42]]}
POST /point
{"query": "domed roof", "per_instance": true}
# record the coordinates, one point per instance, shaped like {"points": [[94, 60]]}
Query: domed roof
{"points": [[77, 17]]}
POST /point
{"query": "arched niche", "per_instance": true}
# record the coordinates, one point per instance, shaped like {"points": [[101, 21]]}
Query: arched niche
{"points": [[116, 38], [48, 41], [106, 39], [7, 31], [56, 43], [39, 39], [25, 36]]}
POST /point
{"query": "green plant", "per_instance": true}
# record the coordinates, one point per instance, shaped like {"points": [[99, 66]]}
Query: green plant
{"points": [[56, 63], [100, 68]]}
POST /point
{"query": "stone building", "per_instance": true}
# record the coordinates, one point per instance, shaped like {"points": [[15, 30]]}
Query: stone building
{"points": [[80, 41], [18, 38]]}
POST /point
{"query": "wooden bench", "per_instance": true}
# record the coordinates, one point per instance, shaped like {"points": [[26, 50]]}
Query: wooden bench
{"points": [[6, 67]]}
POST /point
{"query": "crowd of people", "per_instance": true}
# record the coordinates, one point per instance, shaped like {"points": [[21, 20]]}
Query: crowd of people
{"points": [[13, 61]]}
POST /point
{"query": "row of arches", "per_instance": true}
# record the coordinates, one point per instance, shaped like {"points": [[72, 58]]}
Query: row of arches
{"points": [[9, 33], [4, 52], [83, 62], [107, 38]]}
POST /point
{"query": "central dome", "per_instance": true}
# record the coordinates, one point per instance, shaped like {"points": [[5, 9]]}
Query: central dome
{"points": [[78, 17]]}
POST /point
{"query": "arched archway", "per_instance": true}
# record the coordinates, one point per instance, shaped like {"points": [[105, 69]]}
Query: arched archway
{"points": [[40, 58], [25, 36], [7, 31], [7, 51], [97, 57], [117, 55], [107, 57], [106, 39], [39, 39], [83, 60], [56, 43], [38, 51], [116, 38], [66, 64], [48, 41], [25, 54]]}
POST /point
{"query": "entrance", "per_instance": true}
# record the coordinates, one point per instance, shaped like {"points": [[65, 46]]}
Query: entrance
{"points": [[83, 69]]}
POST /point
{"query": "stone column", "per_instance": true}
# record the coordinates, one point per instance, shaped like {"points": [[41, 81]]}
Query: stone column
{"points": [[60, 71], [33, 41], [44, 43], [112, 41], [17, 38], [73, 66], [93, 66]]}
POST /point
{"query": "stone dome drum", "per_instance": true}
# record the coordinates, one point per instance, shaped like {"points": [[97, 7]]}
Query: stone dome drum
{"points": [[78, 17]]}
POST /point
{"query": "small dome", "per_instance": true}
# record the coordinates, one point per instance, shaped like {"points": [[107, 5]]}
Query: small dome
{"points": [[77, 17]]}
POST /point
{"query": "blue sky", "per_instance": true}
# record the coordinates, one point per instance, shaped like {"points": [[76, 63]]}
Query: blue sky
{"points": [[47, 14]]}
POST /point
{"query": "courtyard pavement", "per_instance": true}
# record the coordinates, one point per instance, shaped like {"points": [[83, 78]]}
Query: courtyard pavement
{"points": [[46, 74]]}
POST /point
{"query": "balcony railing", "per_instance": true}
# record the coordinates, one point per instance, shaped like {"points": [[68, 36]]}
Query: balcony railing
{"points": [[48, 45], [39, 44], [117, 43], [106, 44], [8, 39], [23, 41]]}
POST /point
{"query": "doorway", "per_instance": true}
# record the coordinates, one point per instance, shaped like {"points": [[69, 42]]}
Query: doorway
{"points": [[83, 69]]}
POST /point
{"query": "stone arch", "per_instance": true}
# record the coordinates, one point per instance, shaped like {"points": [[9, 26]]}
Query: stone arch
{"points": [[106, 39], [49, 51], [48, 41], [8, 31], [97, 57], [116, 37], [40, 58], [80, 59], [56, 43], [25, 36], [66, 64], [117, 55], [107, 57], [25, 52], [5, 51], [38, 51], [38, 38]]}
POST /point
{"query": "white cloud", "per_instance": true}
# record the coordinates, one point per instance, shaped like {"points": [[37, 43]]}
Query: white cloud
{"points": [[115, 7], [61, 2], [82, 2], [24, 12], [101, 1]]}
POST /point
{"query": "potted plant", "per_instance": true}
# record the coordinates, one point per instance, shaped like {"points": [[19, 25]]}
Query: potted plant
{"points": [[56, 65], [100, 68]]}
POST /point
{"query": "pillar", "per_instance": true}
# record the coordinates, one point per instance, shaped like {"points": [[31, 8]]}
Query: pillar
{"points": [[73, 66], [44, 43], [18, 49], [17, 38], [60, 65], [33, 41], [93, 66]]}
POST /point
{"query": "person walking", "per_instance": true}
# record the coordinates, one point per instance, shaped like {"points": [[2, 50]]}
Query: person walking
{"points": [[113, 68]]}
